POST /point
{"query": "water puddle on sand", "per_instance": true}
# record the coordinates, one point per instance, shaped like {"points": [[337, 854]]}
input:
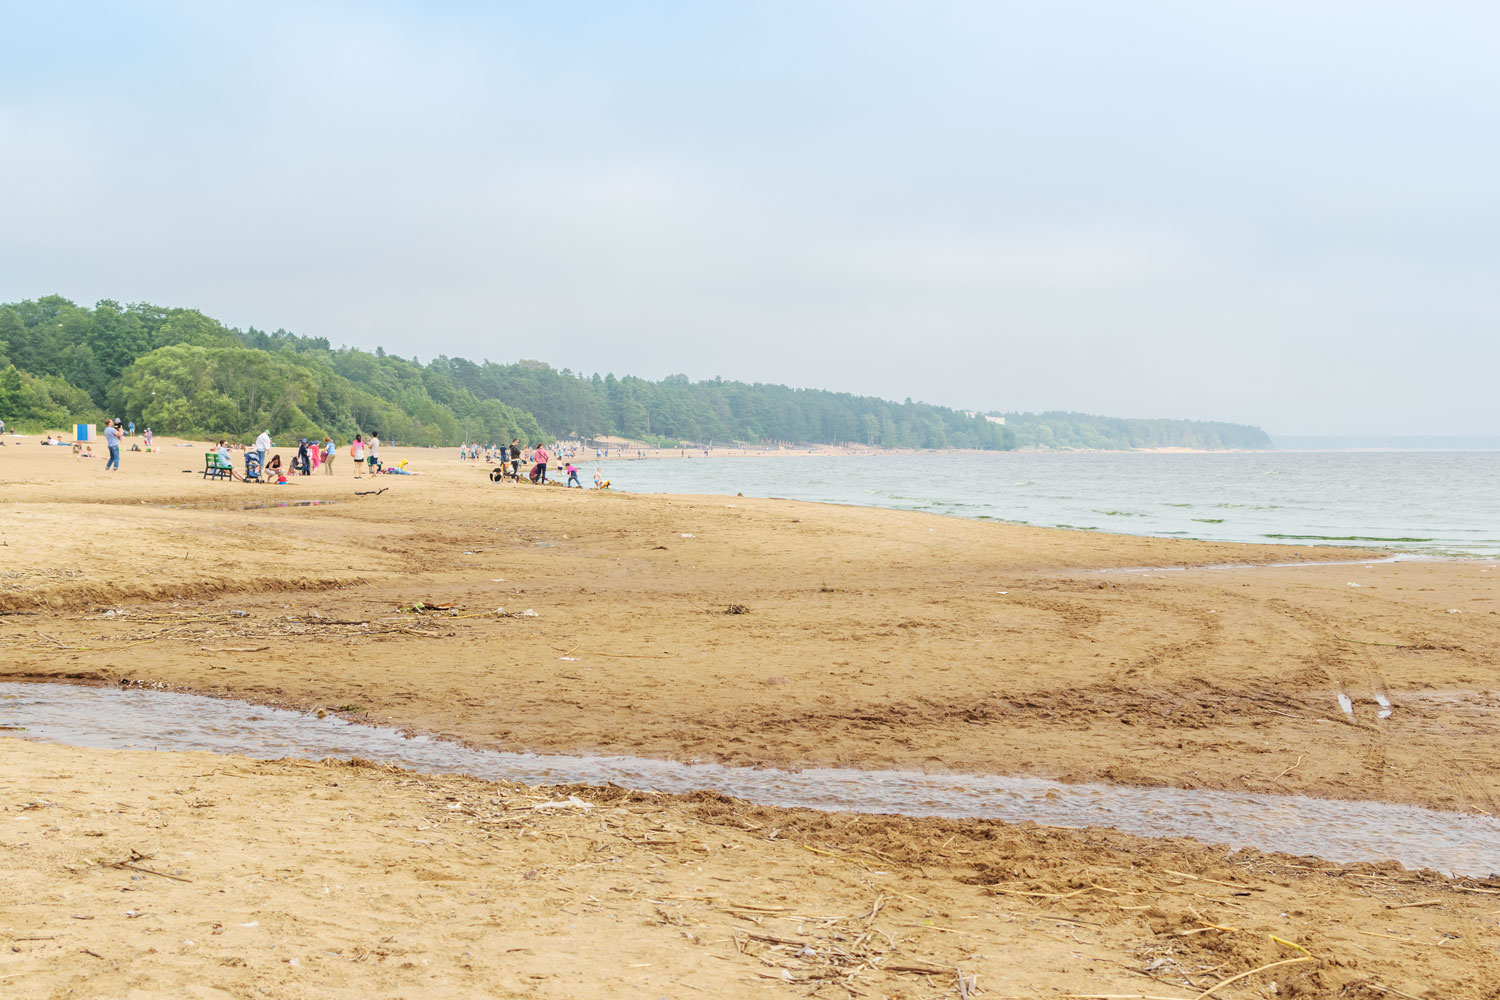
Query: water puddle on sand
{"points": [[134, 719], [252, 506], [290, 503], [1300, 564]]}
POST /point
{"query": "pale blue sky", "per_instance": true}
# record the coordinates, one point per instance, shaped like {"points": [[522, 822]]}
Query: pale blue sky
{"points": [[1279, 213]]}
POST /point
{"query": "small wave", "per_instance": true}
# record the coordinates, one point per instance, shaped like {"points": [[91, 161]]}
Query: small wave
{"points": [[1209, 520], [1343, 538], [1076, 527], [1119, 513]]}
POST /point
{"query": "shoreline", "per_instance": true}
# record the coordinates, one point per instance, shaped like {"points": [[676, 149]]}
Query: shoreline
{"points": [[431, 461], [1345, 545]]}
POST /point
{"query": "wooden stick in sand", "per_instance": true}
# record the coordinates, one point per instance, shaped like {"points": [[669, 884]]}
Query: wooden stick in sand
{"points": [[1294, 767]]}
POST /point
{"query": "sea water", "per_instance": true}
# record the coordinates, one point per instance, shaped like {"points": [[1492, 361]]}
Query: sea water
{"points": [[1438, 503]]}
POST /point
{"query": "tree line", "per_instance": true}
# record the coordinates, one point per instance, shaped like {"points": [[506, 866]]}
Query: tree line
{"points": [[677, 409], [183, 373], [1057, 429]]}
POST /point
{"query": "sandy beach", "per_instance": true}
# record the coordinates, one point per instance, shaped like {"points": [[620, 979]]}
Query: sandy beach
{"points": [[730, 629]]}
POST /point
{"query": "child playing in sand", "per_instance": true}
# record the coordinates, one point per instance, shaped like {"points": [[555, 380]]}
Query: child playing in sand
{"points": [[573, 476]]}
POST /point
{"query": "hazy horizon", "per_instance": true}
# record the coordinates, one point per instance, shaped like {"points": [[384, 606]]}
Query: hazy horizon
{"points": [[1273, 214]]}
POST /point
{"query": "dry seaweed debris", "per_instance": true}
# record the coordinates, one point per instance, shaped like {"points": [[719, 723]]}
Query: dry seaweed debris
{"points": [[626, 833], [227, 626]]}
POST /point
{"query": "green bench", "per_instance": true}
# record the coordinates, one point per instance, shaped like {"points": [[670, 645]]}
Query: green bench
{"points": [[215, 468]]}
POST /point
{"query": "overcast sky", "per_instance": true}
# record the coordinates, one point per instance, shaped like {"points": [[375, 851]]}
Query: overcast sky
{"points": [[1281, 213]]}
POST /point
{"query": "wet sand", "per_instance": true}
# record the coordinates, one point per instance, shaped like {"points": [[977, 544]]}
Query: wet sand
{"points": [[750, 632], [868, 638]]}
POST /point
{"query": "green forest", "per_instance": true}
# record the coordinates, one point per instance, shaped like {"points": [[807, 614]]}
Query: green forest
{"points": [[183, 373], [1061, 430]]}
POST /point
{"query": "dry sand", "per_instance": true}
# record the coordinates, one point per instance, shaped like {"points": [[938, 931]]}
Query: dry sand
{"points": [[868, 638]]}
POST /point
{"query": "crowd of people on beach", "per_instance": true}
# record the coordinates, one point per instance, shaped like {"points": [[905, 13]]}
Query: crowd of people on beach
{"points": [[258, 462], [261, 464], [509, 462], [310, 456]]}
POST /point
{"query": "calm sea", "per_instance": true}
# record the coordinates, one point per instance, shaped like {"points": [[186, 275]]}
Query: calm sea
{"points": [[1433, 502]]}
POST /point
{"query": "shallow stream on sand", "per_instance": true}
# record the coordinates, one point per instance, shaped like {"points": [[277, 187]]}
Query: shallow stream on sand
{"points": [[135, 719]]}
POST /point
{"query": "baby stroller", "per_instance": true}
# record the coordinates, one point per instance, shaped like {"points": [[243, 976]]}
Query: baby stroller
{"points": [[252, 467]]}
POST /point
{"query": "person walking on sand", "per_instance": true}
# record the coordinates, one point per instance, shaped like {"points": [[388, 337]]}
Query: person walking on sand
{"points": [[515, 459], [263, 445], [112, 440], [329, 450], [357, 452], [372, 452]]}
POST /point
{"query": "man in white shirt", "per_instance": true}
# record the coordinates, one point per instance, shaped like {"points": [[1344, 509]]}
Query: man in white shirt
{"points": [[263, 445], [372, 452]]}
